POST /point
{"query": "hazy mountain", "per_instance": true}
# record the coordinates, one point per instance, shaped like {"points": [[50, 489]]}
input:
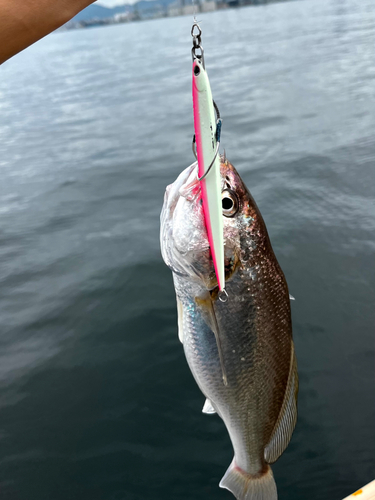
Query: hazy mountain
{"points": [[150, 4], [95, 11], [99, 12]]}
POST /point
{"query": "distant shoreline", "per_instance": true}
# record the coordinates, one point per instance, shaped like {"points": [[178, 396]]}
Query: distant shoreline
{"points": [[155, 9]]}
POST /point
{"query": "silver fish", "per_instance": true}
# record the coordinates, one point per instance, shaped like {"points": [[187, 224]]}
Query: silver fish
{"points": [[240, 351]]}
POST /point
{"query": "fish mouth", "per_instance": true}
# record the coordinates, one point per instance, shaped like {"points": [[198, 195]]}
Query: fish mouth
{"points": [[201, 269], [192, 261], [232, 261], [231, 264], [207, 275], [168, 251]]}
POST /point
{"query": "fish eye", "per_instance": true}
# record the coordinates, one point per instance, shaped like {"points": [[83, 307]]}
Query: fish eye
{"points": [[229, 203]]}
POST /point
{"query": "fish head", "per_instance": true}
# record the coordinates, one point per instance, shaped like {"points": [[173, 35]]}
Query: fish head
{"points": [[184, 240]]}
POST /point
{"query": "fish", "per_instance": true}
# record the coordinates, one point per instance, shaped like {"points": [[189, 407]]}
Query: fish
{"points": [[239, 346]]}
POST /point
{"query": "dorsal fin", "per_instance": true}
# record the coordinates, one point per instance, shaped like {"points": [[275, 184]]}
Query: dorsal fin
{"points": [[286, 421]]}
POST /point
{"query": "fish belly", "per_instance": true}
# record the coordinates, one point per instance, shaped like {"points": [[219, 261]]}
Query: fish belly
{"points": [[250, 402]]}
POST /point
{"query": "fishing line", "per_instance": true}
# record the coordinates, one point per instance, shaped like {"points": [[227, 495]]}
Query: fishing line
{"points": [[194, 12]]}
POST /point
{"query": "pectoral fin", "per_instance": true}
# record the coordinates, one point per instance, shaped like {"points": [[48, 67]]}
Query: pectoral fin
{"points": [[286, 421], [208, 408], [209, 316], [180, 312]]}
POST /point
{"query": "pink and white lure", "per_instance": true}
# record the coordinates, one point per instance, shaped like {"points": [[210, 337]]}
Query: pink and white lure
{"points": [[209, 166]]}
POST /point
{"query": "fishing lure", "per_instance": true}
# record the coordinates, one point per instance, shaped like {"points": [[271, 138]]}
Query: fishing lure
{"points": [[207, 140]]}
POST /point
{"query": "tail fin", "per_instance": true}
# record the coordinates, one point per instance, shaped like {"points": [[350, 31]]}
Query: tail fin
{"points": [[249, 487]]}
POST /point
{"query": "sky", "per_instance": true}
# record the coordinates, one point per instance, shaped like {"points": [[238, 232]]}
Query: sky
{"points": [[114, 3]]}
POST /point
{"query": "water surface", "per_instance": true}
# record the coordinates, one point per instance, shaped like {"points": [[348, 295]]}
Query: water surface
{"points": [[97, 402]]}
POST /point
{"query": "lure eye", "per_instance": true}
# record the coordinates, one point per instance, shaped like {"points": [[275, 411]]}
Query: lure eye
{"points": [[229, 203]]}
